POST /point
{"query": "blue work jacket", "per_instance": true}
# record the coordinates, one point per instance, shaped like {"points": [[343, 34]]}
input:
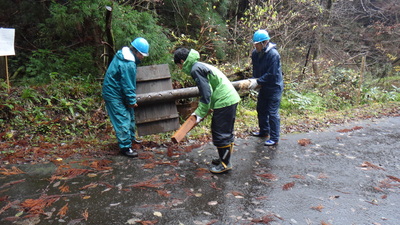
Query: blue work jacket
{"points": [[268, 71]]}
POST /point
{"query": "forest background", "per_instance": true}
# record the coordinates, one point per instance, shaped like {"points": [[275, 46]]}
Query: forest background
{"points": [[340, 60]]}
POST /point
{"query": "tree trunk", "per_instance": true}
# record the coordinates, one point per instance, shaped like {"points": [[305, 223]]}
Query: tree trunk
{"points": [[109, 48]]}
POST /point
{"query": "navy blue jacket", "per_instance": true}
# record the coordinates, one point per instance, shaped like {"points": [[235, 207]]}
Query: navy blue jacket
{"points": [[268, 71]]}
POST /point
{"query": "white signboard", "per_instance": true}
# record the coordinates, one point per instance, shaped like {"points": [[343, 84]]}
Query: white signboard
{"points": [[7, 36]]}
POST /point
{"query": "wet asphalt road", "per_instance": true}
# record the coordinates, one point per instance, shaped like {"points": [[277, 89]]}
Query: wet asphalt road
{"points": [[339, 178]]}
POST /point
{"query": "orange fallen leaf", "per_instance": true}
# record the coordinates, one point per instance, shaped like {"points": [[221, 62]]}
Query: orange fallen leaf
{"points": [[13, 171], [267, 176], [163, 193], [63, 211], [64, 188], [318, 208], [236, 193], [304, 142], [91, 185], [36, 206], [288, 186]]}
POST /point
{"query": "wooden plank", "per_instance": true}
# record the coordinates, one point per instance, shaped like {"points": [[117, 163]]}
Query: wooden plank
{"points": [[184, 129], [158, 127], [160, 117], [153, 72]]}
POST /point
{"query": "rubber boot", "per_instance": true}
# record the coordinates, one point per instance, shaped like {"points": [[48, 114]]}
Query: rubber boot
{"points": [[224, 159]]}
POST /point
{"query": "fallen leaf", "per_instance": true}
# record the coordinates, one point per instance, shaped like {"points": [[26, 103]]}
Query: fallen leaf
{"points": [[368, 164], [64, 188], [236, 193], [322, 176], [325, 223], [288, 186], [85, 214], [349, 130], [298, 176], [304, 142], [318, 208], [268, 176], [36, 206], [91, 185], [262, 198], [12, 183], [105, 190], [266, 219], [133, 221], [163, 193], [214, 185], [212, 203], [394, 178], [158, 214], [148, 222], [63, 211]]}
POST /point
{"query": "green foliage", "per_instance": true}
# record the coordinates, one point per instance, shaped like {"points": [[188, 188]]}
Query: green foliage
{"points": [[70, 40], [129, 24], [43, 64], [60, 109], [376, 94], [302, 103]]}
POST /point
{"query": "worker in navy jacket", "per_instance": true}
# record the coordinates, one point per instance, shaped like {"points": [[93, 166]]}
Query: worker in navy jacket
{"points": [[267, 74]]}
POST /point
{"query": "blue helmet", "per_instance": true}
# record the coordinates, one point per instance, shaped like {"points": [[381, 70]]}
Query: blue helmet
{"points": [[141, 45], [260, 36]]}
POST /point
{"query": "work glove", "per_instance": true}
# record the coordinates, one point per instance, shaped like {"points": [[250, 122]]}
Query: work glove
{"points": [[198, 118], [253, 84]]}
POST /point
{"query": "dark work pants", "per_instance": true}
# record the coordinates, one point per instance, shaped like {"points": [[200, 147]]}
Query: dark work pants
{"points": [[222, 125], [268, 115]]}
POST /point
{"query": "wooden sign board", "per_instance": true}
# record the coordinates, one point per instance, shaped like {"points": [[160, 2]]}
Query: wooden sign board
{"points": [[7, 36], [158, 117]]}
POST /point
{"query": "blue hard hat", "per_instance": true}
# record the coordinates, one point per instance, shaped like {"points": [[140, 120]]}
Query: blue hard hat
{"points": [[260, 36], [141, 45]]}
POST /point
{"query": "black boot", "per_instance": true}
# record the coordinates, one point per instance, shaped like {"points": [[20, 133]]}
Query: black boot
{"points": [[129, 152], [224, 160]]}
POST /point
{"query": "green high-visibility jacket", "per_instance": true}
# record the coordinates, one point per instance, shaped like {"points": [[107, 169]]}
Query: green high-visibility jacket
{"points": [[215, 89]]}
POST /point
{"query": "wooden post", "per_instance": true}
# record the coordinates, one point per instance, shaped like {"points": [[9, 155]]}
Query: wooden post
{"points": [[8, 78], [184, 129], [4, 72], [362, 70]]}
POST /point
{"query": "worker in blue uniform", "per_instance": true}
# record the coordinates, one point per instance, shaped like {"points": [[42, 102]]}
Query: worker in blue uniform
{"points": [[267, 74], [119, 93]]}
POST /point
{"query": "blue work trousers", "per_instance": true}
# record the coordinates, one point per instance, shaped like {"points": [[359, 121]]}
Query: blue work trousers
{"points": [[123, 120], [268, 115]]}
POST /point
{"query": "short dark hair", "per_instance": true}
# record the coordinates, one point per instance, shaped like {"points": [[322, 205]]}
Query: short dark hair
{"points": [[180, 54]]}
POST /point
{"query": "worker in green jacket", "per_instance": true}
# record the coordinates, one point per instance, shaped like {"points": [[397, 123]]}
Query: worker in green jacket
{"points": [[217, 94], [119, 93]]}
